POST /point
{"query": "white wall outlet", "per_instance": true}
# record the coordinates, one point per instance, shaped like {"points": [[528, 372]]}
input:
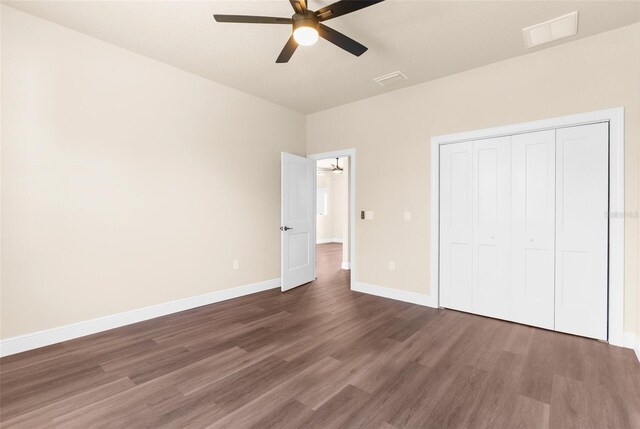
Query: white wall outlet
{"points": [[236, 265], [407, 216], [368, 215], [392, 265]]}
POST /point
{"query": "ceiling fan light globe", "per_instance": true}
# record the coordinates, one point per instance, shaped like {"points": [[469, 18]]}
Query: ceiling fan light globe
{"points": [[305, 36]]}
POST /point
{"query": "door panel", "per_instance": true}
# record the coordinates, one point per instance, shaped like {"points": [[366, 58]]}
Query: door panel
{"points": [[533, 228], [524, 228], [455, 226], [298, 216], [490, 288], [298, 243], [582, 230]]}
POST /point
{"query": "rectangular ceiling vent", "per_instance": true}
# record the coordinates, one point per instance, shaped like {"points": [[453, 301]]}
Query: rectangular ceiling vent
{"points": [[390, 79], [548, 31]]}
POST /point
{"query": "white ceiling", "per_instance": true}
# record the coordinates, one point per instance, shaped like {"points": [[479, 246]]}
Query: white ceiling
{"points": [[423, 39]]}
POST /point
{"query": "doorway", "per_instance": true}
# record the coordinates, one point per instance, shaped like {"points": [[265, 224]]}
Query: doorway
{"points": [[299, 200], [335, 213], [332, 214]]}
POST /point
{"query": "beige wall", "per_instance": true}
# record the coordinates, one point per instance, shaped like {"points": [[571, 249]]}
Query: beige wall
{"points": [[126, 182], [595, 73]]}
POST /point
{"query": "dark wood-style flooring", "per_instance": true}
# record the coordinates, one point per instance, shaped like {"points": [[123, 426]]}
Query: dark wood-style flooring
{"points": [[322, 356]]}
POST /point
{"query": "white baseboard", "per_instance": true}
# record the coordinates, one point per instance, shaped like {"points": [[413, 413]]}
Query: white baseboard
{"points": [[346, 265], [34, 340], [397, 294], [632, 341], [47, 337], [328, 240]]}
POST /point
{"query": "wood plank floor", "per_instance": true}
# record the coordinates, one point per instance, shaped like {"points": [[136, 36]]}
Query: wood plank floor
{"points": [[322, 356]]}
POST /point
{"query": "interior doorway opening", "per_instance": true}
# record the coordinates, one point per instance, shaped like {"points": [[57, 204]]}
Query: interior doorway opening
{"points": [[335, 214], [332, 214]]}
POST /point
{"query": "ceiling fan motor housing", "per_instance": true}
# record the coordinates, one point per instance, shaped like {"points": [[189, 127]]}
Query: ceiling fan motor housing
{"points": [[307, 19]]}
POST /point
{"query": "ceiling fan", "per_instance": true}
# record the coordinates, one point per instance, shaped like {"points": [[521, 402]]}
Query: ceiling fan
{"points": [[307, 25], [335, 168]]}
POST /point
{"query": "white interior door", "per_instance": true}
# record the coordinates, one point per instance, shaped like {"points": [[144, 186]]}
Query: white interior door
{"points": [[533, 228], [490, 287], [582, 230], [455, 225], [297, 220]]}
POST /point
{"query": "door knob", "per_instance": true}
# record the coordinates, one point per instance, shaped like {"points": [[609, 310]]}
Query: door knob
{"points": [[530, 238], [285, 228]]}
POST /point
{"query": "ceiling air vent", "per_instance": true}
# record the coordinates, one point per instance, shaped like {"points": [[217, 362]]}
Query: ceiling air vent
{"points": [[390, 79], [548, 31]]}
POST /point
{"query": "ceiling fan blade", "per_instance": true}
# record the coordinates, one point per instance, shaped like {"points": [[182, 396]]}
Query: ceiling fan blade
{"points": [[246, 19], [341, 41], [287, 51], [300, 6], [343, 7]]}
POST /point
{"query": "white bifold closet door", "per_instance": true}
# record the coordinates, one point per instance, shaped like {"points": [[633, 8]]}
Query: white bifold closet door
{"points": [[582, 201], [474, 195], [456, 225], [533, 228], [524, 228], [490, 272]]}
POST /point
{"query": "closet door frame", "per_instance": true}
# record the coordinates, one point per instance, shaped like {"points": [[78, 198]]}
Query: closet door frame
{"points": [[615, 118]]}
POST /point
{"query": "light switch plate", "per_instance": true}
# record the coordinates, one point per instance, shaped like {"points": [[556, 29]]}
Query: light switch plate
{"points": [[407, 216], [392, 265], [236, 265], [368, 214]]}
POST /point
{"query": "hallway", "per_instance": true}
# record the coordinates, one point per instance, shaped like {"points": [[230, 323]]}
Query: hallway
{"points": [[329, 262]]}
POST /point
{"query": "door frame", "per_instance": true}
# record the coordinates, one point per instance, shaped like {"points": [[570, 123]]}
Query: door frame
{"points": [[615, 118], [351, 153]]}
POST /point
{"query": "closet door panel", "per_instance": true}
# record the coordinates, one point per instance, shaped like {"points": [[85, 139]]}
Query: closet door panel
{"points": [[582, 230], [455, 225], [490, 291], [533, 228]]}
